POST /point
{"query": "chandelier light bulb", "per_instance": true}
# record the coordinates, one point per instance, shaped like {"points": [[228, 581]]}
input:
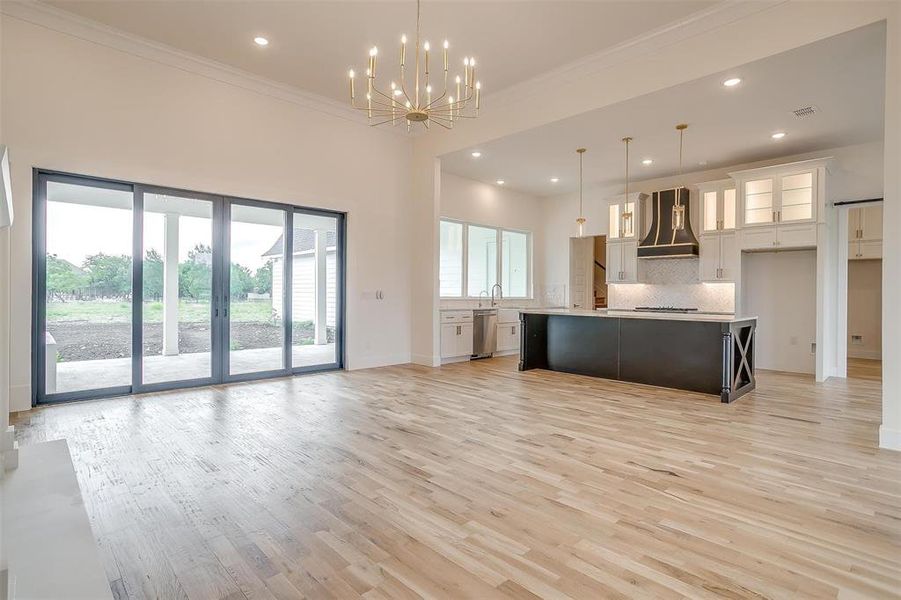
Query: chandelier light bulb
{"points": [[373, 51], [426, 46], [403, 39], [428, 89], [478, 85], [446, 45], [351, 73], [466, 61], [393, 86]]}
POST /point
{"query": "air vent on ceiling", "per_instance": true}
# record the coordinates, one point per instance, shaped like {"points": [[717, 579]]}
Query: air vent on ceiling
{"points": [[806, 111]]}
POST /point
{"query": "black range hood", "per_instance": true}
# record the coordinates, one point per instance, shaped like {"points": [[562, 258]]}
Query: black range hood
{"points": [[663, 240]]}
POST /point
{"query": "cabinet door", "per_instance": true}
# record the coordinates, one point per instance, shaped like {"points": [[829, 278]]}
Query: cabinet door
{"points": [[870, 249], [871, 222], [854, 250], [449, 340], [730, 256], [759, 208], [710, 257], [629, 261], [854, 224], [710, 211], [796, 235], [796, 198], [464, 340], [758, 238], [614, 261], [507, 336], [727, 212]]}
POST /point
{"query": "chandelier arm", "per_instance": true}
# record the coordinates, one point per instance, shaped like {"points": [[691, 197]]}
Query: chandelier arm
{"points": [[391, 101], [381, 122], [440, 124], [436, 100]]}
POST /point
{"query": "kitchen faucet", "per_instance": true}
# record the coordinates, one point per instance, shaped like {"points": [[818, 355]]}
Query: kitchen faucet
{"points": [[480, 297], [501, 289]]}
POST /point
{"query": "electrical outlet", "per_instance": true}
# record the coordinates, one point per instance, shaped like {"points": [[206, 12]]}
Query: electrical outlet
{"points": [[857, 340]]}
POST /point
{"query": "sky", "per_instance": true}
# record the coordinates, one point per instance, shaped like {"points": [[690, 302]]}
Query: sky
{"points": [[75, 231]]}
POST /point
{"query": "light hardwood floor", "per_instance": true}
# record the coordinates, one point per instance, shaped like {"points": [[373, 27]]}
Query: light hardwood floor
{"points": [[476, 481]]}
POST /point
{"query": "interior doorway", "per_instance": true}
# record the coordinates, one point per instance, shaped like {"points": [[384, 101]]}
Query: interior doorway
{"points": [[588, 272], [864, 291]]}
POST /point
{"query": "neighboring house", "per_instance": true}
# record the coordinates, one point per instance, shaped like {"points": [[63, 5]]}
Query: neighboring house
{"points": [[304, 275]]}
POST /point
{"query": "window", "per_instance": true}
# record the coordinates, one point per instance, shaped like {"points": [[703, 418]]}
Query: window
{"points": [[481, 260], [470, 263], [451, 269]]}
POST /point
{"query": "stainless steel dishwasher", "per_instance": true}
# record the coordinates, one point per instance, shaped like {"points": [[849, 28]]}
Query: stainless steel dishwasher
{"points": [[484, 333]]}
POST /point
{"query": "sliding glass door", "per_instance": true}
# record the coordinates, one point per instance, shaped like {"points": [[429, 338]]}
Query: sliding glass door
{"points": [[217, 298], [85, 286], [177, 279], [256, 309]]}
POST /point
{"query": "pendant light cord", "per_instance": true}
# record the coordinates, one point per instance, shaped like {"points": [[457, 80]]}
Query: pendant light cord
{"points": [[580, 183]]}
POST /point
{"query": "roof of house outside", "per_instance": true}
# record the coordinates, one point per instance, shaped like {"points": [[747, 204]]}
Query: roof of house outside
{"points": [[304, 241]]}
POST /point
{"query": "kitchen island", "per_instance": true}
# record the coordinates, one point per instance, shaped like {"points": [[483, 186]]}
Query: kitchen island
{"points": [[707, 353]]}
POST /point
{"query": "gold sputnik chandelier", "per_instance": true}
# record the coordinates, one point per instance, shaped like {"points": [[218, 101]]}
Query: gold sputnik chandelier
{"points": [[416, 101]]}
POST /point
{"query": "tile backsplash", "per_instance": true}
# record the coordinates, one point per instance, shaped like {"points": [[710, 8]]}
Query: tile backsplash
{"points": [[672, 282]]}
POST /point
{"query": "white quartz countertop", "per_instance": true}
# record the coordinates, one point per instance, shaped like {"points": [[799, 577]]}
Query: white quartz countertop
{"points": [[628, 314]]}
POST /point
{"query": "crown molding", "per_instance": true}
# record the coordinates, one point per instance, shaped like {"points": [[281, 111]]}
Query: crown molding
{"points": [[50, 17]]}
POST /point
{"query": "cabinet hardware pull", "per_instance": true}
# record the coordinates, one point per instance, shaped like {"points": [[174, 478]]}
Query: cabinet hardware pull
{"points": [[513, 330]]}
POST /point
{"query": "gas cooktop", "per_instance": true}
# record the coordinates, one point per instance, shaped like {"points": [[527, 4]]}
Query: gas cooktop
{"points": [[664, 309]]}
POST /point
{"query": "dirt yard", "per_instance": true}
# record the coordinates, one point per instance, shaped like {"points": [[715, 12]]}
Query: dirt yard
{"points": [[84, 340]]}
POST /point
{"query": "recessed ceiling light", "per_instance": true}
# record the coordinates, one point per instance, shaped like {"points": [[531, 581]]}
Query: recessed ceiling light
{"points": [[500, 182], [555, 179], [647, 161], [778, 135], [731, 82], [261, 41], [476, 154]]}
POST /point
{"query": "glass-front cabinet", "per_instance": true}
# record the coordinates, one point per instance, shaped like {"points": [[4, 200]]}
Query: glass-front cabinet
{"points": [[779, 206], [781, 198], [624, 216], [718, 204]]}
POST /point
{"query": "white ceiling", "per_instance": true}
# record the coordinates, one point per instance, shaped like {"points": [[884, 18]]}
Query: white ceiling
{"points": [[312, 44], [843, 76]]}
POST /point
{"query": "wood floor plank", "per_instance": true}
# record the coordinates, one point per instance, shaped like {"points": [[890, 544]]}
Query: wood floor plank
{"points": [[477, 481]]}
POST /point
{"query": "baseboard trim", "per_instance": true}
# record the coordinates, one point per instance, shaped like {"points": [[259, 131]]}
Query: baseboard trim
{"points": [[426, 360], [889, 439], [19, 397], [374, 361]]}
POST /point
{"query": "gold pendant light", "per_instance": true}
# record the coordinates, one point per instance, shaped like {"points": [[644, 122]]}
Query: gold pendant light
{"points": [[581, 220], [678, 207], [628, 224]]}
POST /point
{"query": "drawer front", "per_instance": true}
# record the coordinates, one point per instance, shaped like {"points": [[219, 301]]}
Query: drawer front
{"points": [[797, 236], [456, 316], [758, 238]]}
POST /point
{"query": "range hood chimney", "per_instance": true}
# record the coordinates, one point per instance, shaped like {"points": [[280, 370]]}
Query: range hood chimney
{"points": [[671, 235], [666, 239]]}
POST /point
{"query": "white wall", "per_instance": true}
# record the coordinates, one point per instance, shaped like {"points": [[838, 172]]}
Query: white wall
{"points": [[786, 325], [856, 173], [85, 107], [466, 200], [865, 308]]}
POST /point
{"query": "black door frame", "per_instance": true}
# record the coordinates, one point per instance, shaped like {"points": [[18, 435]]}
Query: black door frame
{"points": [[220, 288]]}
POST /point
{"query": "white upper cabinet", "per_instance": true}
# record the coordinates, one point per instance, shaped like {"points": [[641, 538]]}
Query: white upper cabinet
{"points": [[718, 205], [779, 206], [625, 216], [865, 232]]}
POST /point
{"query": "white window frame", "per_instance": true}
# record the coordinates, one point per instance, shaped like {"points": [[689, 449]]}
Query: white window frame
{"points": [[464, 292]]}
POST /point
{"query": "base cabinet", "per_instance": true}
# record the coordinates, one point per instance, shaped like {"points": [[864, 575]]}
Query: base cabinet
{"points": [[456, 334], [507, 337]]}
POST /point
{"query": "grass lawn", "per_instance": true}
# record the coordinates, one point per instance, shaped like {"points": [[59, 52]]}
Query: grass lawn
{"points": [[96, 311]]}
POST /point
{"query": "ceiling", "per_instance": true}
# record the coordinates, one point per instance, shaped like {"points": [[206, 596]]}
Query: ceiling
{"points": [[843, 76], [313, 44]]}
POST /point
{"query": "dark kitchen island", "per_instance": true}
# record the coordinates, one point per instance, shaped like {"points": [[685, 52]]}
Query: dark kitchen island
{"points": [[707, 353]]}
